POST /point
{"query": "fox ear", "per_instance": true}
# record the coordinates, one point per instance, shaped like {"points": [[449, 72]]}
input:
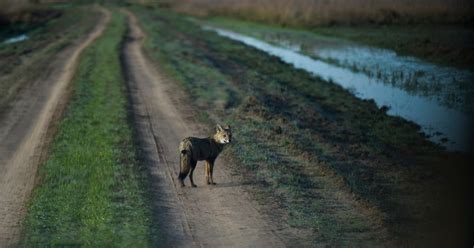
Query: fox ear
{"points": [[219, 128], [227, 127]]}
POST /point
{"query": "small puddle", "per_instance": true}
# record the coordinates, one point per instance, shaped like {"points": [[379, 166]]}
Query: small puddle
{"points": [[438, 121], [16, 39]]}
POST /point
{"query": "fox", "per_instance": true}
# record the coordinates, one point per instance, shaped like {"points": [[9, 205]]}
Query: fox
{"points": [[192, 150]]}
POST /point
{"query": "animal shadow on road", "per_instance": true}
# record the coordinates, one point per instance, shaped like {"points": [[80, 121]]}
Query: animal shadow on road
{"points": [[231, 184]]}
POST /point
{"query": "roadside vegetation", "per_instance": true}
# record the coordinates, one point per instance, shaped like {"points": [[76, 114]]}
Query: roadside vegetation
{"points": [[338, 165], [92, 191], [17, 19], [11, 8], [450, 89], [434, 43], [21, 63], [438, 30], [450, 45], [311, 13]]}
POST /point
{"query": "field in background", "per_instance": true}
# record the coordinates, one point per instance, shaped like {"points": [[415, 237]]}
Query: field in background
{"points": [[11, 6], [310, 13], [23, 13], [435, 30]]}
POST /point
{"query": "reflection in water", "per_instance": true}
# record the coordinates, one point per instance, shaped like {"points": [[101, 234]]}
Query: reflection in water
{"points": [[433, 117], [447, 85], [16, 39], [450, 86]]}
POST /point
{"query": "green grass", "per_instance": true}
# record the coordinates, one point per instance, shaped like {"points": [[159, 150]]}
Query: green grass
{"points": [[303, 140], [92, 191]]}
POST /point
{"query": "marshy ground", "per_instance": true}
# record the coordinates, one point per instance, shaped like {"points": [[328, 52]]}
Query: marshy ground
{"points": [[311, 164]]}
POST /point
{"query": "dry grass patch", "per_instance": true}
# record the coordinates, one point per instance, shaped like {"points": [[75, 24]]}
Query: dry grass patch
{"points": [[318, 12]]}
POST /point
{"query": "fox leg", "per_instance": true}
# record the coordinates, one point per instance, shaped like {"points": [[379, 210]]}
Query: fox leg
{"points": [[193, 166], [211, 170], [185, 166], [208, 172]]}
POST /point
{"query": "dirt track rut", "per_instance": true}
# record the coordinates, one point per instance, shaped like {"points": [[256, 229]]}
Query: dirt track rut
{"points": [[207, 216], [25, 132]]}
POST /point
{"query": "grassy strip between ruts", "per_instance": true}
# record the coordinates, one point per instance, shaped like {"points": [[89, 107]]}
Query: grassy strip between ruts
{"points": [[92, 191], [336, 163]]}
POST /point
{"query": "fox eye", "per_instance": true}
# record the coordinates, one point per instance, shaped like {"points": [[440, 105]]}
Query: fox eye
{"points": [[225, 135]]}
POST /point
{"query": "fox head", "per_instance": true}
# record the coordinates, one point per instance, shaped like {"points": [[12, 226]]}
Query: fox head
{"points": [[223, 134]]}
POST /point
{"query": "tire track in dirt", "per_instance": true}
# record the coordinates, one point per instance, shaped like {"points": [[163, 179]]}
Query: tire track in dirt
{"points": [[26, 130], [207, 216]]}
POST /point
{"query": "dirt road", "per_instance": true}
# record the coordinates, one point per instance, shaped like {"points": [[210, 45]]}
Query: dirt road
{"points": [[223, 215], [25, 131]]}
